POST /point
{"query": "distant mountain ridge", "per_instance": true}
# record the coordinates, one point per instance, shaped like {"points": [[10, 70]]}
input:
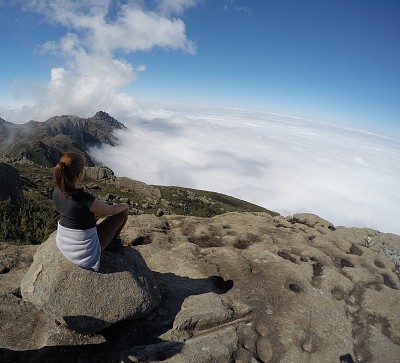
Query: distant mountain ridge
{"points": [[44, 142]]}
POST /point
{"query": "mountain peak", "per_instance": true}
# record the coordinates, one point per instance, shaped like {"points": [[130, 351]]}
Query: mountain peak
{"points": [[44, 142], [6, 123], [104, 116]]}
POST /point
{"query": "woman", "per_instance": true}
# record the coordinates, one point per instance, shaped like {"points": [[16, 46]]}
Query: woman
{"points": [[78, 238]]}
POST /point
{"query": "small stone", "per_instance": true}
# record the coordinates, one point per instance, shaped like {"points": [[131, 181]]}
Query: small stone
{"points": [[249, 344], [264, 349], [261, 328], [110, 197], [160, 213], [308, 346]]}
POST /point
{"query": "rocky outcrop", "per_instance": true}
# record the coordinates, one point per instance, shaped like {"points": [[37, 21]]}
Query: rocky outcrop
{"points": [[149, 193], [92, 131], [86, 301], [239, 287], [294, 289], [10, 182], [100, 173]]}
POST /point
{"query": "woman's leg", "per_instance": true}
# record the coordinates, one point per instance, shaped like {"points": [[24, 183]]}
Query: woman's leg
{"points": [[110, 227]]}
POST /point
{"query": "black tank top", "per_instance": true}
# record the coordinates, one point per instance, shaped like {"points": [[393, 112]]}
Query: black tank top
{"points": [[74, 209]]}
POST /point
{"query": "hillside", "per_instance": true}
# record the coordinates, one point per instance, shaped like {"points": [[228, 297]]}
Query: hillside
{"points": [[45, 142], [33, 218]]}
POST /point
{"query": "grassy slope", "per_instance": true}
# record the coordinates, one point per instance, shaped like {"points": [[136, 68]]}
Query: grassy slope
{"points": [[35, 219]]}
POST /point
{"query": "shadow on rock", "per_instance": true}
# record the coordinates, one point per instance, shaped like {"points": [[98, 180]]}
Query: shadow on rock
{"points": [[130, 340], [88, 353], [146, 331], [120, 260], [60, 354], [83, 323], [124, 280]]}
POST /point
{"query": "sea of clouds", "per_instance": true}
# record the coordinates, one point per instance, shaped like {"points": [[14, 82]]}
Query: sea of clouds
{"points": [[283, 163]]}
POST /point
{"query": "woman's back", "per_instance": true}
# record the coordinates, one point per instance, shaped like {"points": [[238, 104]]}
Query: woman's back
{"points": [[74, 209]]}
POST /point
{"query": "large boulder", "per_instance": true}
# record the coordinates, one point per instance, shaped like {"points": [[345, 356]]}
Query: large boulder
{"points": [[100, 173], [87, 301]]}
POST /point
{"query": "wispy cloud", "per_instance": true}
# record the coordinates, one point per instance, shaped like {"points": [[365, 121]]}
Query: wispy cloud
{"points": [[230, 5], [176, 6], [286, 164]]}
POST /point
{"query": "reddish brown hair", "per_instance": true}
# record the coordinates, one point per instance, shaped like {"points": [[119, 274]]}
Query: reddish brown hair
{"points": [[67, 170]]}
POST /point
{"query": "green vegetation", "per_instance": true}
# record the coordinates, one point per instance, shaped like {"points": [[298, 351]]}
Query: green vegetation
{"points": [[201, 203], [29, 222], [34, 218]]}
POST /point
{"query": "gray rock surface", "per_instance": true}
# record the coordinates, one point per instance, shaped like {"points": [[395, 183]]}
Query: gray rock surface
{"points": [[100, 173], [240, 287], [302, 289], [86, 301]]}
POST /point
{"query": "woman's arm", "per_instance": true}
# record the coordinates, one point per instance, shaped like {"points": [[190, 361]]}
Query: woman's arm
{"points": [[103, 209]]}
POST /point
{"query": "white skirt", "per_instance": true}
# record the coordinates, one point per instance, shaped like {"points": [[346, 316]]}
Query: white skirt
{"points": [[80, 246]]}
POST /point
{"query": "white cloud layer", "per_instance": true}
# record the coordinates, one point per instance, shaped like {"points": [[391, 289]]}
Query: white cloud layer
{"points": [[285, 164]]}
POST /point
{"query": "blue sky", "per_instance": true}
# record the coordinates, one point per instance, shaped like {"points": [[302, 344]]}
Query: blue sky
{"points": [[336, 61]]}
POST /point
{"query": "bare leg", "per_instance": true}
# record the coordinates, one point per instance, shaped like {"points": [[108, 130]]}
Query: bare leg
{"points": [[110, 227]]}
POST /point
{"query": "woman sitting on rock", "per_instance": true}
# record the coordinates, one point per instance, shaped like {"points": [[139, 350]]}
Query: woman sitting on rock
{"points": [[79, 238]]}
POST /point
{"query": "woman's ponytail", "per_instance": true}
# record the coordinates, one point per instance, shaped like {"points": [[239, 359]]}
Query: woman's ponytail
{"points": [[67, 171], [59, 177]]}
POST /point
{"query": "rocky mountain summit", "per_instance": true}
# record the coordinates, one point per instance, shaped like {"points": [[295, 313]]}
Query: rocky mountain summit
{"points": [[201, 276], [237, 287], [45, 142]]}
